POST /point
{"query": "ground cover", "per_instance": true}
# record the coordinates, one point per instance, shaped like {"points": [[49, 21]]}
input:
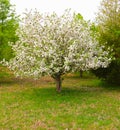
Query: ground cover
{"points": [[83, 104]]}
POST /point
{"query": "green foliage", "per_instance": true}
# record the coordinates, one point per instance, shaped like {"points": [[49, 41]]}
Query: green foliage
{"points": [[108, 20], [8, 26], [110, 74], [79, 17], [5, 52]]}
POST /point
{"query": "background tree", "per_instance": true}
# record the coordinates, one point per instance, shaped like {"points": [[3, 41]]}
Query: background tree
{"points": [[8, 26], [108, 20], [80, 17], [54, 45]]}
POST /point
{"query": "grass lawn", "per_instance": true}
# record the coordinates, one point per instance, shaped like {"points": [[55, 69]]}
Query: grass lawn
{"points": [[83, 104]]}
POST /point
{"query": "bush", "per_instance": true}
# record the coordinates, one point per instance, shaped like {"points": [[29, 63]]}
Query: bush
{"points": [[110, 74]]}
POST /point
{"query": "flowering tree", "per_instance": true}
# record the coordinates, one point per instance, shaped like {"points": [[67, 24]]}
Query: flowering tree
{"points": [[54, 45]]}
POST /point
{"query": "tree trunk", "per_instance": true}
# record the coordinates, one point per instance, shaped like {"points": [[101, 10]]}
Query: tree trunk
{"points": [[81, 73], [58, 83]]}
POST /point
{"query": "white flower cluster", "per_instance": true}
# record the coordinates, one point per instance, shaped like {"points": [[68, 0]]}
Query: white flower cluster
{"points": [[54, 45]]}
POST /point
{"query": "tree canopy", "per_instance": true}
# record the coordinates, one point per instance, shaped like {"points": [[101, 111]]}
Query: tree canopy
{"points": [[108, 21], [54, 45], [8, 26]]}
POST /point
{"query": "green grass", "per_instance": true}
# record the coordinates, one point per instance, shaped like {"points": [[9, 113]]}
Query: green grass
{"points": [[83, 104]]}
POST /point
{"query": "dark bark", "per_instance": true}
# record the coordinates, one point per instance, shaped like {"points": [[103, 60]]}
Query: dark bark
{"points": [[81, 73], [58, 83]]}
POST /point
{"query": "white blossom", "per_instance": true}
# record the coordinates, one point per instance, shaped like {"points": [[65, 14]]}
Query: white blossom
{"points": [[54, 45]]}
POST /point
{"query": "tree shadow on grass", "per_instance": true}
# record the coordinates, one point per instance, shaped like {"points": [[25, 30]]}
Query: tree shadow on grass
{"points": [[67, 94], [108, 86], [7, 81]]}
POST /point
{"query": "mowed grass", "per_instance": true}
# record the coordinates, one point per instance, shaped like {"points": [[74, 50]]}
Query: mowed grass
{"points": [[83, 104]]}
